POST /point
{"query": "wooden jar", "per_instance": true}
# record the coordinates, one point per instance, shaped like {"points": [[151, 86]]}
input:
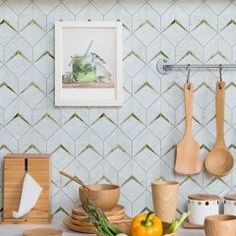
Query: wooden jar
{"points": [[202, 205], [15, 167], [230, 204]]}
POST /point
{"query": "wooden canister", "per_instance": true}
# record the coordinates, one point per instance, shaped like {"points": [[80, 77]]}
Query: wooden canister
{"points": [[230, 204], [165, 197], [202, 205]]}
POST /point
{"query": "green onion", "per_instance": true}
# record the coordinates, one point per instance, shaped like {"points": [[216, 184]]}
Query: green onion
{"points": [[97, 217], [176, 223]]}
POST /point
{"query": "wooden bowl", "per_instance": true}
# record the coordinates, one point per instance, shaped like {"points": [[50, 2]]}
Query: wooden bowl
{"points": [[103, 196], [220, 225]]}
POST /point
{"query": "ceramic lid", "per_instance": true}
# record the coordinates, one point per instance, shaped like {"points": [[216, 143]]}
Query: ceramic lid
{"points": [[204, 197], [230, 197]]}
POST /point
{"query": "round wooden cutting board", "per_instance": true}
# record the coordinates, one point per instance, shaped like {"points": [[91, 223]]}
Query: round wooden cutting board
{"points": [[43, 232]]}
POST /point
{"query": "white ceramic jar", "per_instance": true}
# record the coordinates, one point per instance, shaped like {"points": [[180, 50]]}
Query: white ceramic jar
{"points": [[202, 205], [230, 204]]}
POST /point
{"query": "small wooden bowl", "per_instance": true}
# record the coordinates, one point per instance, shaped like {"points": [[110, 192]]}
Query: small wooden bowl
{"points": [[220, 225], [103, 196]]}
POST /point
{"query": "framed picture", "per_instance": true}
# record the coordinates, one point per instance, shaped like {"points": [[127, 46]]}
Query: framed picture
{"points": [[88, 64]]}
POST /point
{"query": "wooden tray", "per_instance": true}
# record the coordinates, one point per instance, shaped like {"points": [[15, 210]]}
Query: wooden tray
{"points": [[117, 210], [82, 229], [187, 225], [110, 218]]}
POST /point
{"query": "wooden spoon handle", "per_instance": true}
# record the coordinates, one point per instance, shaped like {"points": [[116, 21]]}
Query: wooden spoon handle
{"points": [[75, 179], [220, 103], [188, 96]]}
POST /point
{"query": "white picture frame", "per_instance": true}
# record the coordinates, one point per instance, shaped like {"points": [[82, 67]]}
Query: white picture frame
{"points": [[85, 76]]}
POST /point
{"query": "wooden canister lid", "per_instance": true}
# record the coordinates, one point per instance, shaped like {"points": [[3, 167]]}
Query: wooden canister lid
{"points": [[43, 232], [231, 197], [204, 197]]}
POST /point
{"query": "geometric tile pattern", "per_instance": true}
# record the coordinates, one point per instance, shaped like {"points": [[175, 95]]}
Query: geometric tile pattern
{"points": [[134, 144]]}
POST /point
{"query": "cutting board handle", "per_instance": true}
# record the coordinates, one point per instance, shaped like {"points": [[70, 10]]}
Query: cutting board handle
{"points": [[220, 105], [188, 96]]}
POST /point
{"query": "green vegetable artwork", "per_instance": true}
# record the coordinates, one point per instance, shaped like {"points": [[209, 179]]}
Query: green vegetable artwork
{"points": [[88, 71]]}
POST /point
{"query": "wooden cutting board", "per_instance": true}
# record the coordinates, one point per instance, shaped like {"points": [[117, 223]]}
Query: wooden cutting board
{"points": [[43, 232], [15, 168]]}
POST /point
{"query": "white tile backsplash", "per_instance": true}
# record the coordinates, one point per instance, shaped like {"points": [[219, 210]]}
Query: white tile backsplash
{"points": [[134, 144]]}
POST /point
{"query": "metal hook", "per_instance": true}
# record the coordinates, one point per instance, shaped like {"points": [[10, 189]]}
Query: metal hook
{"points": [[220, 70], [188, 76]]}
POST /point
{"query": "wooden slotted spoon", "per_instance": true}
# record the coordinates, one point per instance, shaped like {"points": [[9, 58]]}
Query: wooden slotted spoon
{"points": [[219, 161], [187, 154]]}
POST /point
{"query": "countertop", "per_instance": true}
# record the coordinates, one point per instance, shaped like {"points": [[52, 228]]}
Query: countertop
{"points": [[17, 230]]}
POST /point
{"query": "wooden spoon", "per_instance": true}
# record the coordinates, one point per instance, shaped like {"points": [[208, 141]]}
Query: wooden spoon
{"points": [[187, 155], [219, 161], [75, 179]]}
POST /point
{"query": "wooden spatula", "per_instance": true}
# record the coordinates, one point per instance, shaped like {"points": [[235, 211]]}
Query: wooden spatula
{"points": [[187, 154]]}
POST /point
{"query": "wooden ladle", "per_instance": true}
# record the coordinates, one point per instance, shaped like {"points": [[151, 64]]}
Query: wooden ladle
{"points": [[75, 179], [219, 161], [187, 154]]}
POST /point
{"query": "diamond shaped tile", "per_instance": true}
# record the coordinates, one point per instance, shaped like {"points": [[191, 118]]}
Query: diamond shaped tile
{"points": [[118, 12], [136, 187], [45, 64], [111, 173], [162, 5], [174, 95], [32, 142], [117, 157], [132, 126], [218, 187], [89, 12], [75, 6], [132, 6], [89, 156], [32, 32], [46, 126], [217, 6], [89, 140], [103, 126], [59, 13], [46, 6], [32, 95], [74, 126], [18, 63], [8, 31], [204, 95], [61, 157], [103, 5], [18, 126]]}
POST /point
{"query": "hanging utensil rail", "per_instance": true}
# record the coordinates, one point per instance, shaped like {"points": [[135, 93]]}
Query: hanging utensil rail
{"points": [[164, 66]]}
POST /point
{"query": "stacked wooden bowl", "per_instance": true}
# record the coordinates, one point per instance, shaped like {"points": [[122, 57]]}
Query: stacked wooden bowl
{"points": [[77, 221]]}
